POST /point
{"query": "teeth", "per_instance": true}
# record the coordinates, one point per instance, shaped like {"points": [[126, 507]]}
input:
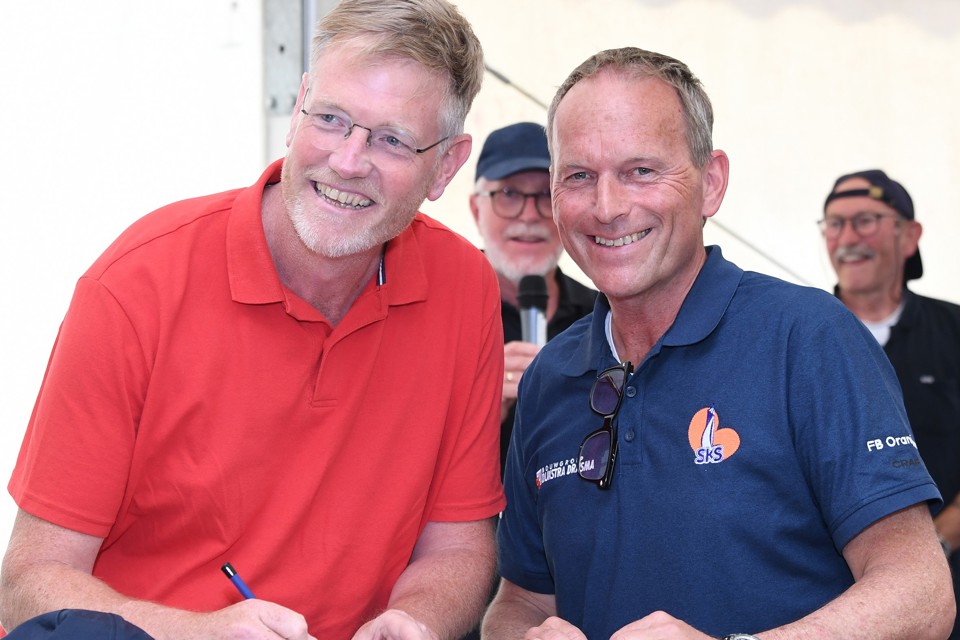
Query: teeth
{"points": [[347, 199], [619, 242]]}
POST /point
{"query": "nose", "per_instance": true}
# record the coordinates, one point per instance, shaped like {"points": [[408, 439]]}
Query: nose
{"points": [[365, 138], [611, 202], [350, 159], [529, 209]]}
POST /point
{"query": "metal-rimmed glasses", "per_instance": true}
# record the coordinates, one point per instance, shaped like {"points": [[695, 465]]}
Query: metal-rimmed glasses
{"points": [[509, 203], [598, 451], [334, 126], [864, 224]]}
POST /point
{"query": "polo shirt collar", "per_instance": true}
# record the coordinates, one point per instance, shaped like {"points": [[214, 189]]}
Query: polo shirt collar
{"points": [[699, 315], [253, 276]]}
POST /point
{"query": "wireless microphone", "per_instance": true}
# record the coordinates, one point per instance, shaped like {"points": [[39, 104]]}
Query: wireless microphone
{"points": [[532, 297]]}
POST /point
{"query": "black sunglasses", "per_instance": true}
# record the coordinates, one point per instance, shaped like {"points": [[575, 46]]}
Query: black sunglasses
{"points": [[598, 451]]}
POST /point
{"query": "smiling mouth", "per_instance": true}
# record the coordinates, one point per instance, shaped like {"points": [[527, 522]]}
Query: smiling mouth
{"points": [[623, 240], [340, 198]]}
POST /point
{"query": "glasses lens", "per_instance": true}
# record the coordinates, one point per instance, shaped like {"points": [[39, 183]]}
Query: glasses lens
{"points": [[507, 204], [544, 205], [865, 225], [605, 395], [594, 455]]}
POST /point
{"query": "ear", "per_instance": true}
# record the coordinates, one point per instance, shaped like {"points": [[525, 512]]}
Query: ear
{"points": [[455, 157], [295, 116], [716, 173], [474, 209], [910, 238]]}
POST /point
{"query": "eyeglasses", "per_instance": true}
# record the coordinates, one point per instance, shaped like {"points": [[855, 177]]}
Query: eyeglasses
{"points": [[509, 204], [864, 224], [335, 126], [598, 451]]}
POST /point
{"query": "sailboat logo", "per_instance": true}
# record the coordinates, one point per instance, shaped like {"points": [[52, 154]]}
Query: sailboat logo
{"points": [[709, 442]]}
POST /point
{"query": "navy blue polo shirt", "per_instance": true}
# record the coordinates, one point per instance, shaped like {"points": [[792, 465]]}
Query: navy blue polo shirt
{"points": [[760, 434]]}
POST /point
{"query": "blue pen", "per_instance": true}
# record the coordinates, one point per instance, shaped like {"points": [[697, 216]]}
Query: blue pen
{"points": [[237, 581]]}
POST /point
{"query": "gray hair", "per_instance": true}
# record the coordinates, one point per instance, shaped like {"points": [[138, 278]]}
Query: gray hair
{"points": [[697, 111], [430, 32]]}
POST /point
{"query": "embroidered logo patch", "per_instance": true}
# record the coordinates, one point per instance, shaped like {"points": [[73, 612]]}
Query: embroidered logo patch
{"points": [[709, 442]]}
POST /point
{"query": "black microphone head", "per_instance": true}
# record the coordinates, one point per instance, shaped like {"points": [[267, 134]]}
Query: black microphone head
{"points": [[532, 292]]}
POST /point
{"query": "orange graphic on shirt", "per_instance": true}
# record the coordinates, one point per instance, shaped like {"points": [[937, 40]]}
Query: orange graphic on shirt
{"points": [[709, 442]]}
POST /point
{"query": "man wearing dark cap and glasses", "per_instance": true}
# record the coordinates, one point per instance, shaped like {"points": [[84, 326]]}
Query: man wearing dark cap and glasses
{"points": [[511, 206], [872, 239]]}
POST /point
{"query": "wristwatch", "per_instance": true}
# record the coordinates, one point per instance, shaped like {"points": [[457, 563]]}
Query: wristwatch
{"points": [[739, 636]]}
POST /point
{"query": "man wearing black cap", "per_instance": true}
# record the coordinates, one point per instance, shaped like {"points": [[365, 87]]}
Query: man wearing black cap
{"points": [[872, 239], [511, 205]]}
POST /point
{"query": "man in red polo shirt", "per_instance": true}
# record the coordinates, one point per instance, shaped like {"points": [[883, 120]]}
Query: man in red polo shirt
{"points": [[301, 377]]}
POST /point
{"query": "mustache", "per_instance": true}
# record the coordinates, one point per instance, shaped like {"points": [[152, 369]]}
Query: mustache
{"points": [[359, 186], [856, 252], [526, 229]]}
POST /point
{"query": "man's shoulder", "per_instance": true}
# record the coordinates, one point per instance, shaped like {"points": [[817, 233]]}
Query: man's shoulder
{"points": [[939, 316], [935, 304], [170, 222], [787, 297]]}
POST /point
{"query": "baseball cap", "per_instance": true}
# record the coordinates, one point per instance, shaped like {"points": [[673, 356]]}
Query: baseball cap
{"points": [[890, 192], [512, 149]]}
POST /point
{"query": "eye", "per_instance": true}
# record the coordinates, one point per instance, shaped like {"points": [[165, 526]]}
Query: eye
{"points": [[327, 120], [392, 141], [643, 171]]}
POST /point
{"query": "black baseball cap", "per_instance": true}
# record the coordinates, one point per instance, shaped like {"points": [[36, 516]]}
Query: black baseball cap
{"points": [[890, 192], [512, 149]]}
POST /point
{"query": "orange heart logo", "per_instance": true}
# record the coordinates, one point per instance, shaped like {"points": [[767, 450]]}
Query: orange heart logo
{"points": [[705, 436]]}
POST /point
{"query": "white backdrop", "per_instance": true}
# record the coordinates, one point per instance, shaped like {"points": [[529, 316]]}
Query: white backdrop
{"points": [[113, 107]]}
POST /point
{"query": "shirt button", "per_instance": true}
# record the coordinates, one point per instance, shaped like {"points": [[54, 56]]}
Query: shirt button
{"points": [[629, 436], [631, 391]]}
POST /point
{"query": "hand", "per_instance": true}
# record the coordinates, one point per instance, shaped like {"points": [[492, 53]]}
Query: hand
{"points": [[394, 624], [554, 628], [658, 626], [948, 525], [517, 356], [251, 619]]}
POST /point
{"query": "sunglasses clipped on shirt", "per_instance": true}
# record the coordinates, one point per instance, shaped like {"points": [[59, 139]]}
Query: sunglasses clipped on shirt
{"points": [[598, 451]]}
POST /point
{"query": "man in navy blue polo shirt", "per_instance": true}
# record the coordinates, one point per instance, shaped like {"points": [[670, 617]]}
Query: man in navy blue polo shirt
{"points": [[711, 452]]}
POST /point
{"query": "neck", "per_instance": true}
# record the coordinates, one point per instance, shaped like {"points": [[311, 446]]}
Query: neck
{"points": [[636, 327], [639, 321], [330, 285], [873, 306]]}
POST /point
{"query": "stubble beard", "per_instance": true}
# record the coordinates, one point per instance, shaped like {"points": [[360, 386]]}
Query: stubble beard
{"points": [[339, 236], [514, 269]]}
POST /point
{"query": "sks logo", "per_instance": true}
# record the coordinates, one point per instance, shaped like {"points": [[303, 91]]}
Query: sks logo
{"points": [[709, 442]]}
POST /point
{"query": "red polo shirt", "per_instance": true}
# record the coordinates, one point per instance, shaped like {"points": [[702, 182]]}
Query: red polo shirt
{"points": [[195, 411]]}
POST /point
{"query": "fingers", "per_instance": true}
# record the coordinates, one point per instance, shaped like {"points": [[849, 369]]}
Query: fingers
{"points": [[287, 624], [394, 624], [554, 628], [261, 619], [517, 356]]}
